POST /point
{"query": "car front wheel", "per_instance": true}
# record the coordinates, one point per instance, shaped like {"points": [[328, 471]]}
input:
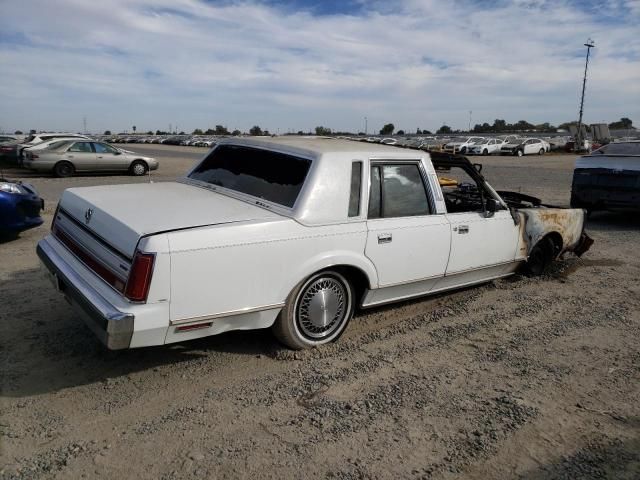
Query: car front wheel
{"points": [[519, 153], [316, 312], [541, 152], [138, 168]]}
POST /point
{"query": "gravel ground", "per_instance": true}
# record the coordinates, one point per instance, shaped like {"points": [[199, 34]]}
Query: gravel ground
{"points": [[529, 378]]}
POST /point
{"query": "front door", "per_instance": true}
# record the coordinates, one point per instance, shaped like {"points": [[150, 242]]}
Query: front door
{"points": [[406, 242], [478, 242], [108, 158]]}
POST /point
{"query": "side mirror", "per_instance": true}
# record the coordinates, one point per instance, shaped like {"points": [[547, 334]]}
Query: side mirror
{"points": [[492, 207]]}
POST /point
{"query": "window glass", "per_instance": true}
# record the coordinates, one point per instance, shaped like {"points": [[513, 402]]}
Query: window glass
{"points": [[356, 182], [628, 148], [374, 193], [103, 148], [272, 176], [81, 147], [403, 193]]}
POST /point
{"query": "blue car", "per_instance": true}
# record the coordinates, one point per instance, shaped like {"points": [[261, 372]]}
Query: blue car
{"points": [[20, 207]]}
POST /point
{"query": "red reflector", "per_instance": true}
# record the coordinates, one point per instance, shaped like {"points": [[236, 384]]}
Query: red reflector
{"points": [[139, 281], [195, 326]]}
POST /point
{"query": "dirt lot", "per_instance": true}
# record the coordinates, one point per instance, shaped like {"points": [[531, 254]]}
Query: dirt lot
{"points": [[522, 378]]}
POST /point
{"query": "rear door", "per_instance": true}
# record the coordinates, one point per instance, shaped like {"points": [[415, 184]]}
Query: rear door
{"points": [[406, 241], [81, 155]]}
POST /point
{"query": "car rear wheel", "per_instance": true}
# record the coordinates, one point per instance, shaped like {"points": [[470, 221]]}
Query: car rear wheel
{"points": [[519, 153], [485, 152], [541, 152], [63, 169], [316, 312], [138, 168]]}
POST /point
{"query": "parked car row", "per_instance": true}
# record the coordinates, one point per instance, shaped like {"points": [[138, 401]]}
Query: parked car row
{"points": [[63, 154]]}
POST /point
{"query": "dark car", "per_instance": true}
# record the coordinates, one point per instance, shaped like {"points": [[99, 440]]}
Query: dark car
{"points": [[608, 178], [9, 152], [20, 207]]}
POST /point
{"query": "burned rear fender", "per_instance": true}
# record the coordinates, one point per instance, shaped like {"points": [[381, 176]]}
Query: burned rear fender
{"points": [[566, 222]]}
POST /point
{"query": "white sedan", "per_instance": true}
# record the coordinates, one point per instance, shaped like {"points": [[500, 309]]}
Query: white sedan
{"points": [[488, 146], [292, 234]]}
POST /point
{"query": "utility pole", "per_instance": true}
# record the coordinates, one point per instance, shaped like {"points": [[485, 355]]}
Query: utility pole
{"points": [[470, 113], [84, 123], [579, 140], [365, 125]]}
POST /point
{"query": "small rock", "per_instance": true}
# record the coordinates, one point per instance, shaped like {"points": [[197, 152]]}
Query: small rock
{"points": [[196, 456]]}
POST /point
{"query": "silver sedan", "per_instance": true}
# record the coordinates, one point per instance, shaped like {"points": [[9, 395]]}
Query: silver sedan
{"points": [[66, 157]]}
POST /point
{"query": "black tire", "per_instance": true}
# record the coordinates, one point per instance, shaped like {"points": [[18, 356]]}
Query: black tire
{"points": [[296, 326], [63, 169], [138, 168], [463, 150], [485, 152], [519, 153], [541, 152], [540, 257]]}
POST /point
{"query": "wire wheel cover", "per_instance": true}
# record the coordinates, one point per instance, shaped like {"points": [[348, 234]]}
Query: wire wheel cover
{"points": [[322, 307]]}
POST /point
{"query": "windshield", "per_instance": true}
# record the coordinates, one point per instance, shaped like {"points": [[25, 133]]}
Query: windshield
{"points": [[272, 176], [516, 141]]}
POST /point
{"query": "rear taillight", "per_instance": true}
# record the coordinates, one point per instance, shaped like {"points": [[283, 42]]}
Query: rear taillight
{"points": [[139, 280]]}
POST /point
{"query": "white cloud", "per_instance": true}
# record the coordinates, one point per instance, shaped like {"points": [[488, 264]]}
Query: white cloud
{"points": [[415, 63]]}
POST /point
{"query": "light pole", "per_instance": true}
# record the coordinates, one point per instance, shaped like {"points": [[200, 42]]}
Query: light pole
{"points": [[365, 125], [470, 113], [579, 140]]}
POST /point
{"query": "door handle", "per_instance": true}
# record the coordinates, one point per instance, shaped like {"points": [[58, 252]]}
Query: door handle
{"points": [[385, 238], [69, 156], [100, 156], [463, 229]]}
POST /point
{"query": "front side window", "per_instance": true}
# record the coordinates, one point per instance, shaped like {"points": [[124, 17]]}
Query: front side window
{"points": [[397, 191], [103, 148], [81, 147], [272, 176]]}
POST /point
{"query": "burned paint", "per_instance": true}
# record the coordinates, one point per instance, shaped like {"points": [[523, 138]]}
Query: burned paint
{"points": [[540, 222]]}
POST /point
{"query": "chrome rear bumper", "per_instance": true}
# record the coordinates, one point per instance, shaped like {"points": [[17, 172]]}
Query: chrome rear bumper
{"points": [[113, 327]]}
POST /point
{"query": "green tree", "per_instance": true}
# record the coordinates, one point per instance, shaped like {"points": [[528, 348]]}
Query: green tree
{"points": [[323, 131], [444, 129], [150, 132], [197, 131], [107, 132], [236, 133], [134, 129], [221, 130], [255, 131], [624, 124], [387, 129], [400, 132]]}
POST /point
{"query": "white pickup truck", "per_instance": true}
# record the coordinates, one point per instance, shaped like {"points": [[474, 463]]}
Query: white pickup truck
{"points": [[293, 234]]}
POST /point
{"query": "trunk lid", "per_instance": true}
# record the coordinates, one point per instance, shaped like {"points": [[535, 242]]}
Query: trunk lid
{"points": [[121, 214]]}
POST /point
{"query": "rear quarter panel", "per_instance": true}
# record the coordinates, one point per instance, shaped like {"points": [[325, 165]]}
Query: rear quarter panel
{"points": [[247, 265]]}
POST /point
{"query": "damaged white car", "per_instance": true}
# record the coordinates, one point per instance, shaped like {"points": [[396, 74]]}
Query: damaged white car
{"points": [[292, 234]]}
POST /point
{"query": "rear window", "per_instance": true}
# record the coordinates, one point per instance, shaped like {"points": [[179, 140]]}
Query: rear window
{"points": [[275, 177]]}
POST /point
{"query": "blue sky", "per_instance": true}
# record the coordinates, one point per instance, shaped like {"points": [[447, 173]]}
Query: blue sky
{"points": [[293, 65]]}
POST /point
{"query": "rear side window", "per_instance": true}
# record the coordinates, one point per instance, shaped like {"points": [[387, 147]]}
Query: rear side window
{"points": [[356, 185], [81, 147], [397, 191], [272, 176], [620, 149]]}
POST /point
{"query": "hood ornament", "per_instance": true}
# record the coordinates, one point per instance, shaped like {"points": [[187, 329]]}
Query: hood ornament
{"points": [[87, 215]]}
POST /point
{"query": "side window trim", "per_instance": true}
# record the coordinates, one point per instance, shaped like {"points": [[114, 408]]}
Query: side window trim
{"points": [[379, 162]]}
